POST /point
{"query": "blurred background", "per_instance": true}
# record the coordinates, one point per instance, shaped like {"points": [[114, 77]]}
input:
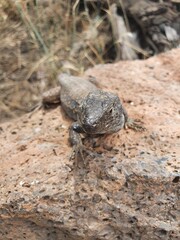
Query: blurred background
{"points": [[41, 38]]}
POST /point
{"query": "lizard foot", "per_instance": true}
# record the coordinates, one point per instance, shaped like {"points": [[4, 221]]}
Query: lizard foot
{"points": [[135, 124], [80, 153], [34, 109]]}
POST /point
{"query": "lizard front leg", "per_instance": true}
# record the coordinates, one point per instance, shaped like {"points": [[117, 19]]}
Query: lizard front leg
{"points": [[74, 134], [76, 141], [49, 97], [52, 96], [134, 124]]}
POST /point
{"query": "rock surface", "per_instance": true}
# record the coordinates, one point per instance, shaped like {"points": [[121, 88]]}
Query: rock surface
{"points": [[128, 191]]}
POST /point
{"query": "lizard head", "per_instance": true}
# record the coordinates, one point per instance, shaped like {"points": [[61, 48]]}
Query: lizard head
{"points": [[101, 112]]}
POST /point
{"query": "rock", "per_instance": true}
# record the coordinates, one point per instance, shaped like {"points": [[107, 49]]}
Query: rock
{"points": [[159, 22], [127, 191]]}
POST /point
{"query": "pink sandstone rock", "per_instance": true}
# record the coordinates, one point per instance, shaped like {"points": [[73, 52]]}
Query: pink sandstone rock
{"points": [[130, 190]]}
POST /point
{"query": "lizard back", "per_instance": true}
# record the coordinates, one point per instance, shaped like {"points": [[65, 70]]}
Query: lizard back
{"points": [[73, 91]]}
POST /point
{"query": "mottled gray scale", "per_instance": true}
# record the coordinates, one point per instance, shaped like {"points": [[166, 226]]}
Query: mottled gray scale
{"points": [[73, 90], [76, 87], [101, 112], [95, 111], [69, 105]]}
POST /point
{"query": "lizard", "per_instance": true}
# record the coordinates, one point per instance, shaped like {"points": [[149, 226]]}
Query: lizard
{"points": [[94, 111]]}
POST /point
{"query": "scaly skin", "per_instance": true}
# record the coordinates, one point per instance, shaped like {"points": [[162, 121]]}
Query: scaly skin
{"points": [[94, 111]]}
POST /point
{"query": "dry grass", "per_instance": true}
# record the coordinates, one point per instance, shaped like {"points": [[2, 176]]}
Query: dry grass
{"points": [[40, 39]]}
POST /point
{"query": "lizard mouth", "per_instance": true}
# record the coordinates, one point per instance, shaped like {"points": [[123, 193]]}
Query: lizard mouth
{"points": [[90, 127]]}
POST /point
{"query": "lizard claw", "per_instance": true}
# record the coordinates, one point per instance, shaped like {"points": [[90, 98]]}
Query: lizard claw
{"points": [[78, 154], [135, 124]]}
